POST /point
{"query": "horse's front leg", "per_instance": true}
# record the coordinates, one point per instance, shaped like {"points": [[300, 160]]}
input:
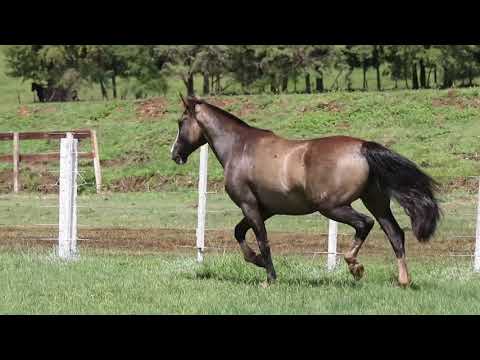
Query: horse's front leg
{"points": [[248, 254], [254, 217]]}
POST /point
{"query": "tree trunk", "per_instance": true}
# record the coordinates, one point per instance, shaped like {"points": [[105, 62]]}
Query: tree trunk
{"points": [[406, 77], [308, 87], [349, 80], [114, 86], [379, 83], [273, 84], [218, 83], [284, 84], [447, 79], [414, 76], [376, 65], [364, 68], [104, 91], [470, 78], [206, 84], [295, 83], [423, 80], [335, 82], [428, 78], [319, 84], [190, 85], [435, 75]]}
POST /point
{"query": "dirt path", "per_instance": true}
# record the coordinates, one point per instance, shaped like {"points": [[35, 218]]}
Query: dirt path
{"points": [[172, 240]]}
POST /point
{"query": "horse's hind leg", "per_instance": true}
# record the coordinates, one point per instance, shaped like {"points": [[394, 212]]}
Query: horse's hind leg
{"points": [[362, 224], [379, 205]]}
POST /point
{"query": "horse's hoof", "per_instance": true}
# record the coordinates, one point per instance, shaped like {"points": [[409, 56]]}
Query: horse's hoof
{"points": [[404, 284], [264, 284], [356, 270]]}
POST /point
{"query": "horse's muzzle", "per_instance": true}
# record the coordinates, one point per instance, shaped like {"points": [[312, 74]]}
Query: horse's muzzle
{"points": [[180, 160]]}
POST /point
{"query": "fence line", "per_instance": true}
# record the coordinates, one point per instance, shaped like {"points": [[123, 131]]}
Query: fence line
{"points": [[68, 210]]}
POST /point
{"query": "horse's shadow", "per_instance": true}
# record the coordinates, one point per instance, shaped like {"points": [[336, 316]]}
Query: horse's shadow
{"points": [[322, 281], [288, 281]]}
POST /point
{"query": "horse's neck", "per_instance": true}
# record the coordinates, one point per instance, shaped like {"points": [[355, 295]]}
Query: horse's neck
{"points": [[222, 135]]}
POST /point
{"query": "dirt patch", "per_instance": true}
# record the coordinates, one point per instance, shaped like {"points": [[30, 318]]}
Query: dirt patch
{"points": [[468, 184], [129, 157], [25, 111], [159, 183], [343, 125], [452, 99], [221, 103], [31, 180], [246, 107], [330, 106], [151, 108], [475, 156], [172, 240]]}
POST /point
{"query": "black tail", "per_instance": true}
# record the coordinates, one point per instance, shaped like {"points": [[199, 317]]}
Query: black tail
{"points": [[405, 182]]}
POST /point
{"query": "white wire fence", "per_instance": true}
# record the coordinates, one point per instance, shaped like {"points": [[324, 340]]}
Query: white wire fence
{"points": [[168, 220]]}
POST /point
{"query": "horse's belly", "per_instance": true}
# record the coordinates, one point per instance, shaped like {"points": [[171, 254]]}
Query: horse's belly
{"points": [[286, 203]]}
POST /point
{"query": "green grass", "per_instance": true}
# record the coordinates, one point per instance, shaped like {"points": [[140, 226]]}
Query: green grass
{"points": [[443, 139], [36, 283]]}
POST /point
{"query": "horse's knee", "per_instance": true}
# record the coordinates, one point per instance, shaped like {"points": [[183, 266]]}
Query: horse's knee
{"points": [[240, 232], [369, 222]]}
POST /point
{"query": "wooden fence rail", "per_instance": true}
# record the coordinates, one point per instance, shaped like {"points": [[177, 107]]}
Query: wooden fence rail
{"points": [[16, 157]]}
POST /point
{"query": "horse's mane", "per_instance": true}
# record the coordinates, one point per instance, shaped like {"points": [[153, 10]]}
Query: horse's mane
{"points": [[194, 101]]}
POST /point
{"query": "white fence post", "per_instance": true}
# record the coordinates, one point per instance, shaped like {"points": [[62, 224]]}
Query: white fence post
{"points": [[332, 244], [476, 262], [202, 202], [67, 217]]}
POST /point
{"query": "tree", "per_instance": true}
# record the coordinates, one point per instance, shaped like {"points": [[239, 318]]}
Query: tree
{"points": [[312, 60], [143, 73], [243, 65], [459, 62], [102, 63], [275, 62], [211, 62], [49, 65], [182, 61], [402, 61]]}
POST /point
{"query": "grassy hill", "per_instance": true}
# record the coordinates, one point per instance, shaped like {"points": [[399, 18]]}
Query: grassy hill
{"points": [[438, 129]]}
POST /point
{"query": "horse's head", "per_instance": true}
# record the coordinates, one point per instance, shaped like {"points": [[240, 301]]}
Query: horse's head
{"points": [[189, 136], [35, 86]]}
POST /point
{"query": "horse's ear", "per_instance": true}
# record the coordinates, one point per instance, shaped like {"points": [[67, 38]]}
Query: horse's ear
{"points": [[183, 101]]}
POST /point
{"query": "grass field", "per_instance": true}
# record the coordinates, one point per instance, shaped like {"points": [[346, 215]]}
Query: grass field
{"points": [[132, 235], [36, 283], [135, 156]]}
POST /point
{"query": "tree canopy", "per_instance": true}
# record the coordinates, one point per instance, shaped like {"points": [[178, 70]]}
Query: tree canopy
{"points": [[256, 68]]}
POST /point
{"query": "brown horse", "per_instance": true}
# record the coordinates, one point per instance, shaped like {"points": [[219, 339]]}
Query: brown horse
{"points": [[266, 174]]}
